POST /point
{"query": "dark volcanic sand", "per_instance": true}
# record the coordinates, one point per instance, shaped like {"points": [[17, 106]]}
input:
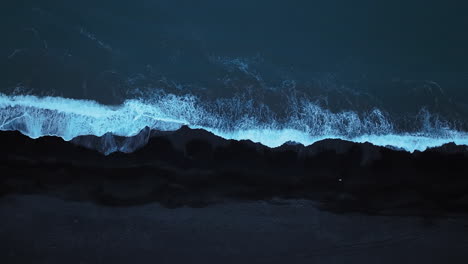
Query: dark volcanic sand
{"points": [[191, 197], [38, 229]]}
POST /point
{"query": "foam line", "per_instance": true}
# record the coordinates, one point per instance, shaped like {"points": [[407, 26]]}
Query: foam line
{"points": [[68, 118]]}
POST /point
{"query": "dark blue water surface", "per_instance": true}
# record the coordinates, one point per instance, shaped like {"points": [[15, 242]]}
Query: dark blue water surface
{"points": [[392, 73]]}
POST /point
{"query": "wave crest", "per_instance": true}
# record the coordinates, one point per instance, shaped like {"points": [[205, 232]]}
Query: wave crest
{"points": [[236, 118]]}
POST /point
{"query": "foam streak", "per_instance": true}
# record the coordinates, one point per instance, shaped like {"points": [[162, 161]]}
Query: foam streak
{"points": [[68, 118]]}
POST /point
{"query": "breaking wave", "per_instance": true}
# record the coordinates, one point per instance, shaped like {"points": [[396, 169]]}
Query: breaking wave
{"points": [[235, 118]]}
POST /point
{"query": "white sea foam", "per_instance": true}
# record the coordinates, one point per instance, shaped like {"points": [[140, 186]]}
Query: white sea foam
{"points": [[231, 119]]}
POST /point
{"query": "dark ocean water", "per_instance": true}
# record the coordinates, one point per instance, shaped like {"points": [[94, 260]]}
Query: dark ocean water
{"points": [[389, 72]]}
